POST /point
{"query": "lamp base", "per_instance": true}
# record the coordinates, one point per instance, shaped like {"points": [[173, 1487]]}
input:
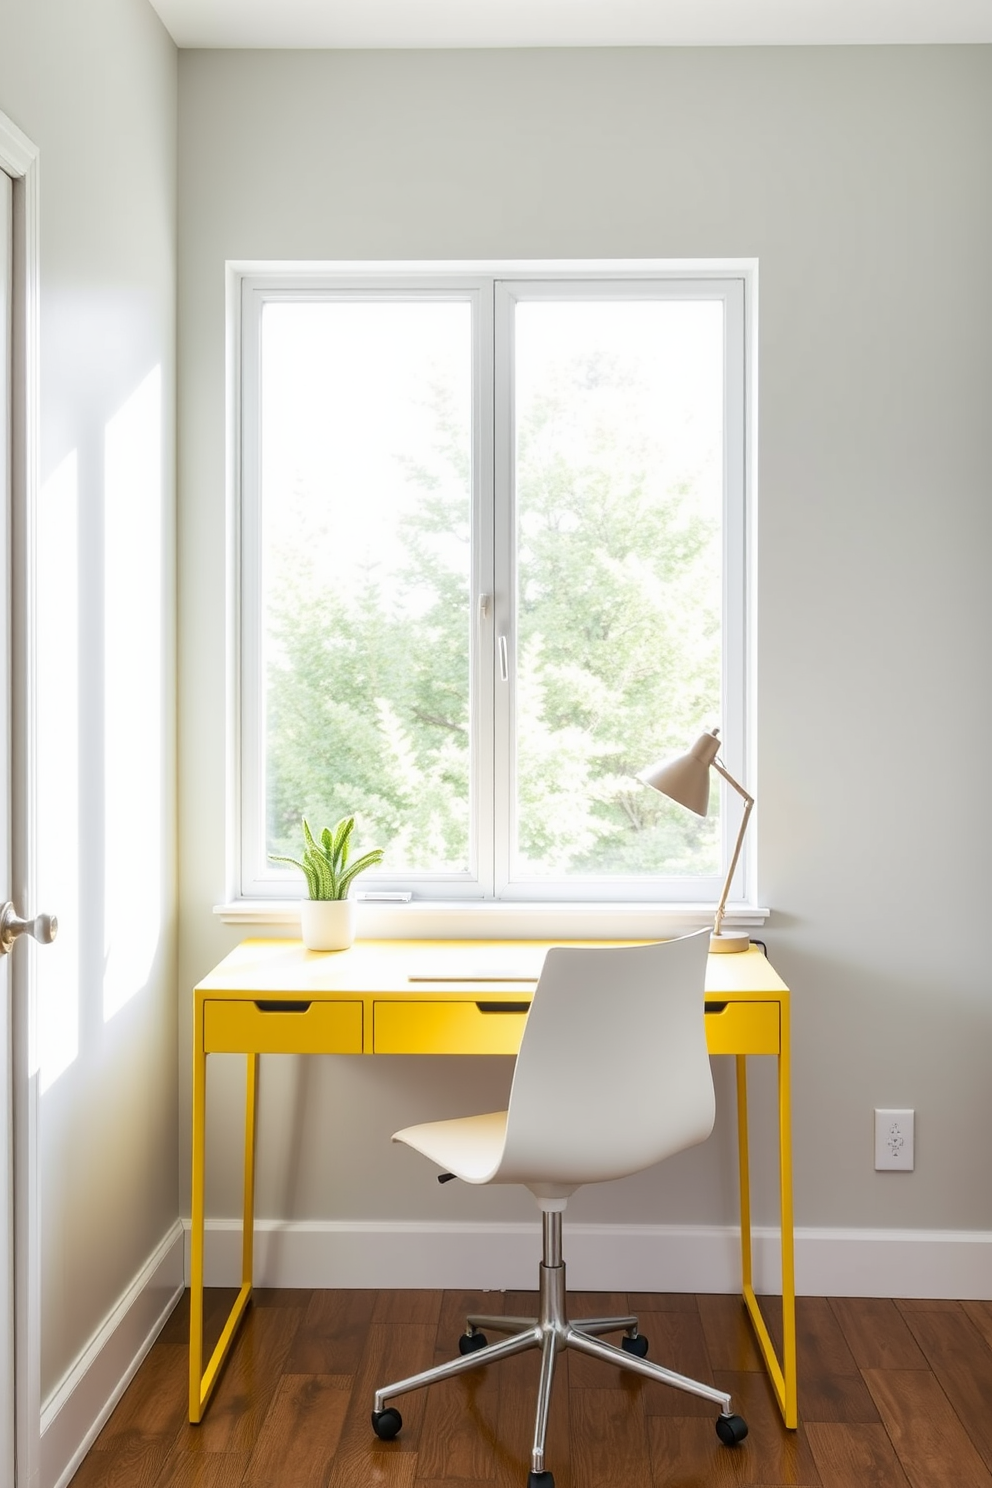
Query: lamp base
{"points": [[725, 942]]}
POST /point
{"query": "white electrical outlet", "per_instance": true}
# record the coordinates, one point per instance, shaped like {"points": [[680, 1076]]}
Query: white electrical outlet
{"points": [[894, 1140]]}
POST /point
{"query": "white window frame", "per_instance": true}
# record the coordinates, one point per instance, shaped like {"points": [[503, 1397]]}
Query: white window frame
{"points": [[492, 289]]}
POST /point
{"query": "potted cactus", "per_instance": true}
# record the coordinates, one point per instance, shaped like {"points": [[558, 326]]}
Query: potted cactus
{"points": [[327, 917]]}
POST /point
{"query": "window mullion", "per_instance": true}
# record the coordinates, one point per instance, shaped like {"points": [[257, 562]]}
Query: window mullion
{"points": [[737, 751], [504, 608], [484, 586], [251, 720]]}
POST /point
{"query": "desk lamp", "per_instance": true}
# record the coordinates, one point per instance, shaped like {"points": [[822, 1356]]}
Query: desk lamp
{"points": [[687, 781]]}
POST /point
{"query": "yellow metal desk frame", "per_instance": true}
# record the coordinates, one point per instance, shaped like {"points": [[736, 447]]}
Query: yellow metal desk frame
{"points": [[274, 997]]}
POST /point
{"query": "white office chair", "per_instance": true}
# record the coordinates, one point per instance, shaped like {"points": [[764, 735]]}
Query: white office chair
{"points": [[612, 1076]]}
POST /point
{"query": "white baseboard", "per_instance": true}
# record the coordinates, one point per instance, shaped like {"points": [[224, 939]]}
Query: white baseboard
{"points": [[894, 1263], [76, 1410], [648, 1258]]}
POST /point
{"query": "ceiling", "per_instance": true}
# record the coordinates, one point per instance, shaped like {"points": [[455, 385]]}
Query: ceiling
{"points": [[541, 23]]}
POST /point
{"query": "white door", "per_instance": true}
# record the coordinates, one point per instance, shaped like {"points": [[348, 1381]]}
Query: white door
{"points": [[19, 1330], [6, 1122]]}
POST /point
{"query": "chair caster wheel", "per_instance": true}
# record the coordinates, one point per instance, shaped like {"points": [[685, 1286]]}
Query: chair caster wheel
{"points": [[637, 1345], [469, 1343], [731, 1430], [540, 1480], [386, 1423]]}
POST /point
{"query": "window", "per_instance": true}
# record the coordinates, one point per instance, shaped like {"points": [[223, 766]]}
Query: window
{"points": [[492, 564]]}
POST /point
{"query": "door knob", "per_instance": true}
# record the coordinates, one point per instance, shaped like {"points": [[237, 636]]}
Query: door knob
{"points": [[43, 927]]}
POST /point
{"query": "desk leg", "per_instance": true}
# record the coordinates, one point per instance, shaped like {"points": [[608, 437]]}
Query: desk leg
{"points": [[248, 1214], [196, 1222], [790, 1406], [745, 1174], [782, 1375], [201, 1382]]}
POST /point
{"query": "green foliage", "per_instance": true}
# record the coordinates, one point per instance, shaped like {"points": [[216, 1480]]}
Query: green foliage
{"points": [[616, 626], [325, 862], [617, 654]]}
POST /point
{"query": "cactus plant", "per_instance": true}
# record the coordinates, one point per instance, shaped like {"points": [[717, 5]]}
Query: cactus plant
{"points": [[325, 861]]}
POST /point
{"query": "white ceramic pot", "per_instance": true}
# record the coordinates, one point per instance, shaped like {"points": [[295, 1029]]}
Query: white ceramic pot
{"points": [[327, 924]]}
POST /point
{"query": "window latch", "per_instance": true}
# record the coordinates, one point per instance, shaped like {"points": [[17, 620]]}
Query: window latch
{"points": [[503, 667]]}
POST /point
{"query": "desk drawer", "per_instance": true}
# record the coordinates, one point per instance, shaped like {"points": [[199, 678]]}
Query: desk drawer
{"points": [[743, 1028], [448, 1027], [465, 1028], [250, 1028]]}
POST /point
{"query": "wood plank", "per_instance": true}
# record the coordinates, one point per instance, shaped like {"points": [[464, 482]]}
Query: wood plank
{"points": [[202, 1470], [217, 1304], [835, 1397], [772, 1453], [460, 1432], [455, 1308], [686, 1450], [411, 1305], [729, 1335], [521, 1304], [676, 1341], [830, 1384], [980, 1315], [930, 1441], [662, 1302], [820, 1341], [392, 1352], [522, 1372], [518, 1381], [683, 1450], [459, 1435], [298, 1297], [332, 1334], [609, 1440], [449, 1482], [300, 1433], [247, 1383], [935, 1304], [598, 1304], [962, 1363], [877, 1334], [592, 1374], [855, 1455], [153, 1407], [129, 1462]]}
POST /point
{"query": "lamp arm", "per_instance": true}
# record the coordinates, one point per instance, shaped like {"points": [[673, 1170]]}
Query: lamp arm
{"points": [[748, 803]]}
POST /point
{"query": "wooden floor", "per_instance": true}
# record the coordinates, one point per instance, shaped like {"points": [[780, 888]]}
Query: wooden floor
{"points": [[891, 1394]]}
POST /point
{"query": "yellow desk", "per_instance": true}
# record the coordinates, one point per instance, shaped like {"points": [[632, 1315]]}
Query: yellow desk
{"points": [[435, 997]]}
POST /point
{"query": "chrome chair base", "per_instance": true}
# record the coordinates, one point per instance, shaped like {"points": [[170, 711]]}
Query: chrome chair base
{"points": [[551, 1332]]}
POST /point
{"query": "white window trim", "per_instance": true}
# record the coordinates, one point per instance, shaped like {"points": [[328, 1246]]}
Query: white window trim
{"points": [[530, 913]]}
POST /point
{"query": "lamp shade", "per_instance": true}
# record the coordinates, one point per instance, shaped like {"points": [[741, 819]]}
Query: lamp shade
{"points": [[687, 778]]}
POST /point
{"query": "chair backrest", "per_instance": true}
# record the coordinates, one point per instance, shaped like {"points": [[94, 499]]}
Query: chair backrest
{"points": [[613, 1073]]}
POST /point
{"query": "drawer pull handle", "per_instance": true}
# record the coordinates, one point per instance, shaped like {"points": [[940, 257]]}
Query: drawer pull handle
{"points": [[716, 1007], [283, 1007], [503, 1007]]}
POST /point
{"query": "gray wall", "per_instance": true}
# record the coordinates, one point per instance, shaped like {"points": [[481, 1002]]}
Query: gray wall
{"points": [[93, 85], [860, 180]]}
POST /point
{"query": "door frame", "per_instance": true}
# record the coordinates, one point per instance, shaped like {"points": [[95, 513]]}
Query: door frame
{"points": [[19, 158]]}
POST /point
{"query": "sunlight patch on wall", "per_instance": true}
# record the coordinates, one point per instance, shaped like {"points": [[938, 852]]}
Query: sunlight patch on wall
{"points": [[57, 716], [133, 693]]}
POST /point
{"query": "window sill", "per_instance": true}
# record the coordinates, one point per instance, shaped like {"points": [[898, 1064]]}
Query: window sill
{"points": [[435, 920]]}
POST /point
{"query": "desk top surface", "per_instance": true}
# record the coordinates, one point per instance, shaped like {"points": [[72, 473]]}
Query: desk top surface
{"points": [[438, 967]]}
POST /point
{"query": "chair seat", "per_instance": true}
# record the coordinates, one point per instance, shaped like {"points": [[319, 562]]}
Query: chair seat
{"points": [[468, 1146]]}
